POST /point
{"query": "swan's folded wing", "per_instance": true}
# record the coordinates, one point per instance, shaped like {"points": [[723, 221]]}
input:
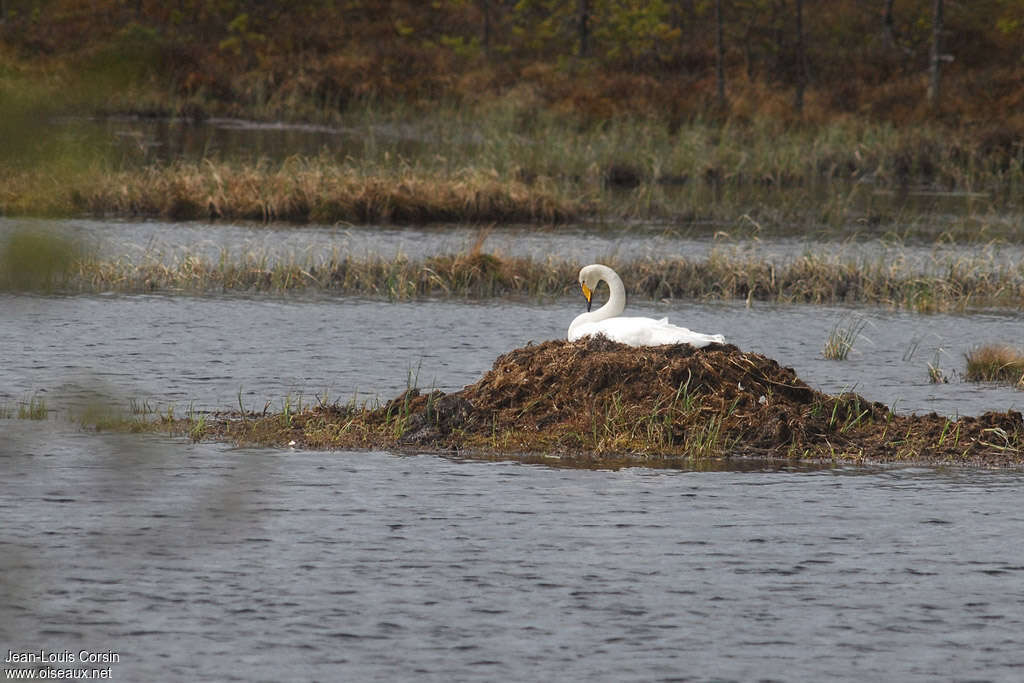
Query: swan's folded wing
{"points": [[645, 332]]}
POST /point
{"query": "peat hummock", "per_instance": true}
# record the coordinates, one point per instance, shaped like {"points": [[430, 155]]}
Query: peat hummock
{"points": [[598, 403]]}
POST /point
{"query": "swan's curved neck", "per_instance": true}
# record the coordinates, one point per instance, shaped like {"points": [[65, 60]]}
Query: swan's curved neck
{"points": [[616, 298]]}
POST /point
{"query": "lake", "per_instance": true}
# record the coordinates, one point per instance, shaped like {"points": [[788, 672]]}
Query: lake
{"points": [[204, 562], [204, 351]]}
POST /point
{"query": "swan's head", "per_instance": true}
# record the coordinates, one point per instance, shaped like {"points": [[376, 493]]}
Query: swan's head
{"points": [[589, 277]]}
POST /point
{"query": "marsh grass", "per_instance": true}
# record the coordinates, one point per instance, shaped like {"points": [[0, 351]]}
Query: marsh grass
{"points": [[296, 190], [681, 422], [996, 363], [842, 337], [100, 411], [935, 372], [33, 408], [505, 161], [475, 273]]}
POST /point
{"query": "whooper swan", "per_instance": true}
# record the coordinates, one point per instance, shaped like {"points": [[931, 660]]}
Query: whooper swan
{"points": [[607, 320]]}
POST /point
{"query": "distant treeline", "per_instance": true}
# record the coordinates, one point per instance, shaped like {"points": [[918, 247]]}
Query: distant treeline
{"points": [[674, 58]]}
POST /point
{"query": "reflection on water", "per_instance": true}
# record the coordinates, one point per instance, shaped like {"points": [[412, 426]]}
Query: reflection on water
{"points": [[202, 351], [147, 140], [202, 563]]}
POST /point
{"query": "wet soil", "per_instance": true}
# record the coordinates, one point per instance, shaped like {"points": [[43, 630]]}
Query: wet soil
{"points": [[595, 402]]}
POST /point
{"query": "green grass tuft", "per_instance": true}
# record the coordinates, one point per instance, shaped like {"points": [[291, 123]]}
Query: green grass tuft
{"points": [[842, 338], [33, 409]]}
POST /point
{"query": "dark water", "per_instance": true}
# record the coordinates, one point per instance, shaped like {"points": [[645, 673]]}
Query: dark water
{"points": [[201, 351], [205, 563], [134, 140]]}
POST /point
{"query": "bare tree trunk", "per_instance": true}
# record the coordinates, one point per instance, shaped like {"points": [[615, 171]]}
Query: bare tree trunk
{"points": [[935, 68], [888, 33], [584, 27], [485, 6], [801, 72], [720, 55]]}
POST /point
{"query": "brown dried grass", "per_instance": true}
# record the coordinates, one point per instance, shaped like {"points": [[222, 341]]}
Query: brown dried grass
{"points": [[301, 190], [996, 363], [477, 274]]}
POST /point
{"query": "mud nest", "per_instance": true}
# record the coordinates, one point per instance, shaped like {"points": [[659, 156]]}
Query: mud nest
{"points": [[598, 396]]}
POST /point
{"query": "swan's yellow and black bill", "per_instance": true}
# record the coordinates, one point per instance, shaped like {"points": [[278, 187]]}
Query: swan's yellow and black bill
{"points": [[587, 294]]}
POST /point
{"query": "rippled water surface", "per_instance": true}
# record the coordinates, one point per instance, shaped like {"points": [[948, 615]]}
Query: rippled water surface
{"points": [[170, 243], [202, 562], [205, 563], [202, 352]]}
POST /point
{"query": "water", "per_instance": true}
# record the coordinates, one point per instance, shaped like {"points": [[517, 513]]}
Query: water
{"points": [[202, 562], [164, 242], [134, 140], [201, 351]]}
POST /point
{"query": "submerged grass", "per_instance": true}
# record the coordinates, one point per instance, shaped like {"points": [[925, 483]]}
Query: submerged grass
{"points": [[34, 409], [31, 408], [996, 363]]}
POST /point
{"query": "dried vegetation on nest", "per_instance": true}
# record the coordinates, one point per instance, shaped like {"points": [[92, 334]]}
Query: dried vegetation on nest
{"points": [[595, 402]]}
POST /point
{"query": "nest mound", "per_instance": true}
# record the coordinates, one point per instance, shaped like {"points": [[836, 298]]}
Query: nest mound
{"points": [[595, 396]]}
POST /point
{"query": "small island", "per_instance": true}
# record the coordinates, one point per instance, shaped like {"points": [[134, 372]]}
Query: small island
{"points": [[597, 403]]}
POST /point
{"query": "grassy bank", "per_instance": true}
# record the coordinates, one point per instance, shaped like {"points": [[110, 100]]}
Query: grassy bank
{"points": [[817, 279], [594, 403], [299, 191], [498, 163], [524, 126]]}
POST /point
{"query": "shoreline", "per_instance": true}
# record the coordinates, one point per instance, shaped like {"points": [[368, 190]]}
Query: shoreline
{"points": [[525, 166]]}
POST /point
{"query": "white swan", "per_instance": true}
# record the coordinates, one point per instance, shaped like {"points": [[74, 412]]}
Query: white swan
{"points": [[632, 331]]}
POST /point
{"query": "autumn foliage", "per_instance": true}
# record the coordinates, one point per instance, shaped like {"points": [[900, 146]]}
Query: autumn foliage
{"points": [[598, 58]]}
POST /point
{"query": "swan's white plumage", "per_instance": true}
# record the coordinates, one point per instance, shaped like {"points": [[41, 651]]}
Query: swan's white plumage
{"points": [[632, 331]]}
